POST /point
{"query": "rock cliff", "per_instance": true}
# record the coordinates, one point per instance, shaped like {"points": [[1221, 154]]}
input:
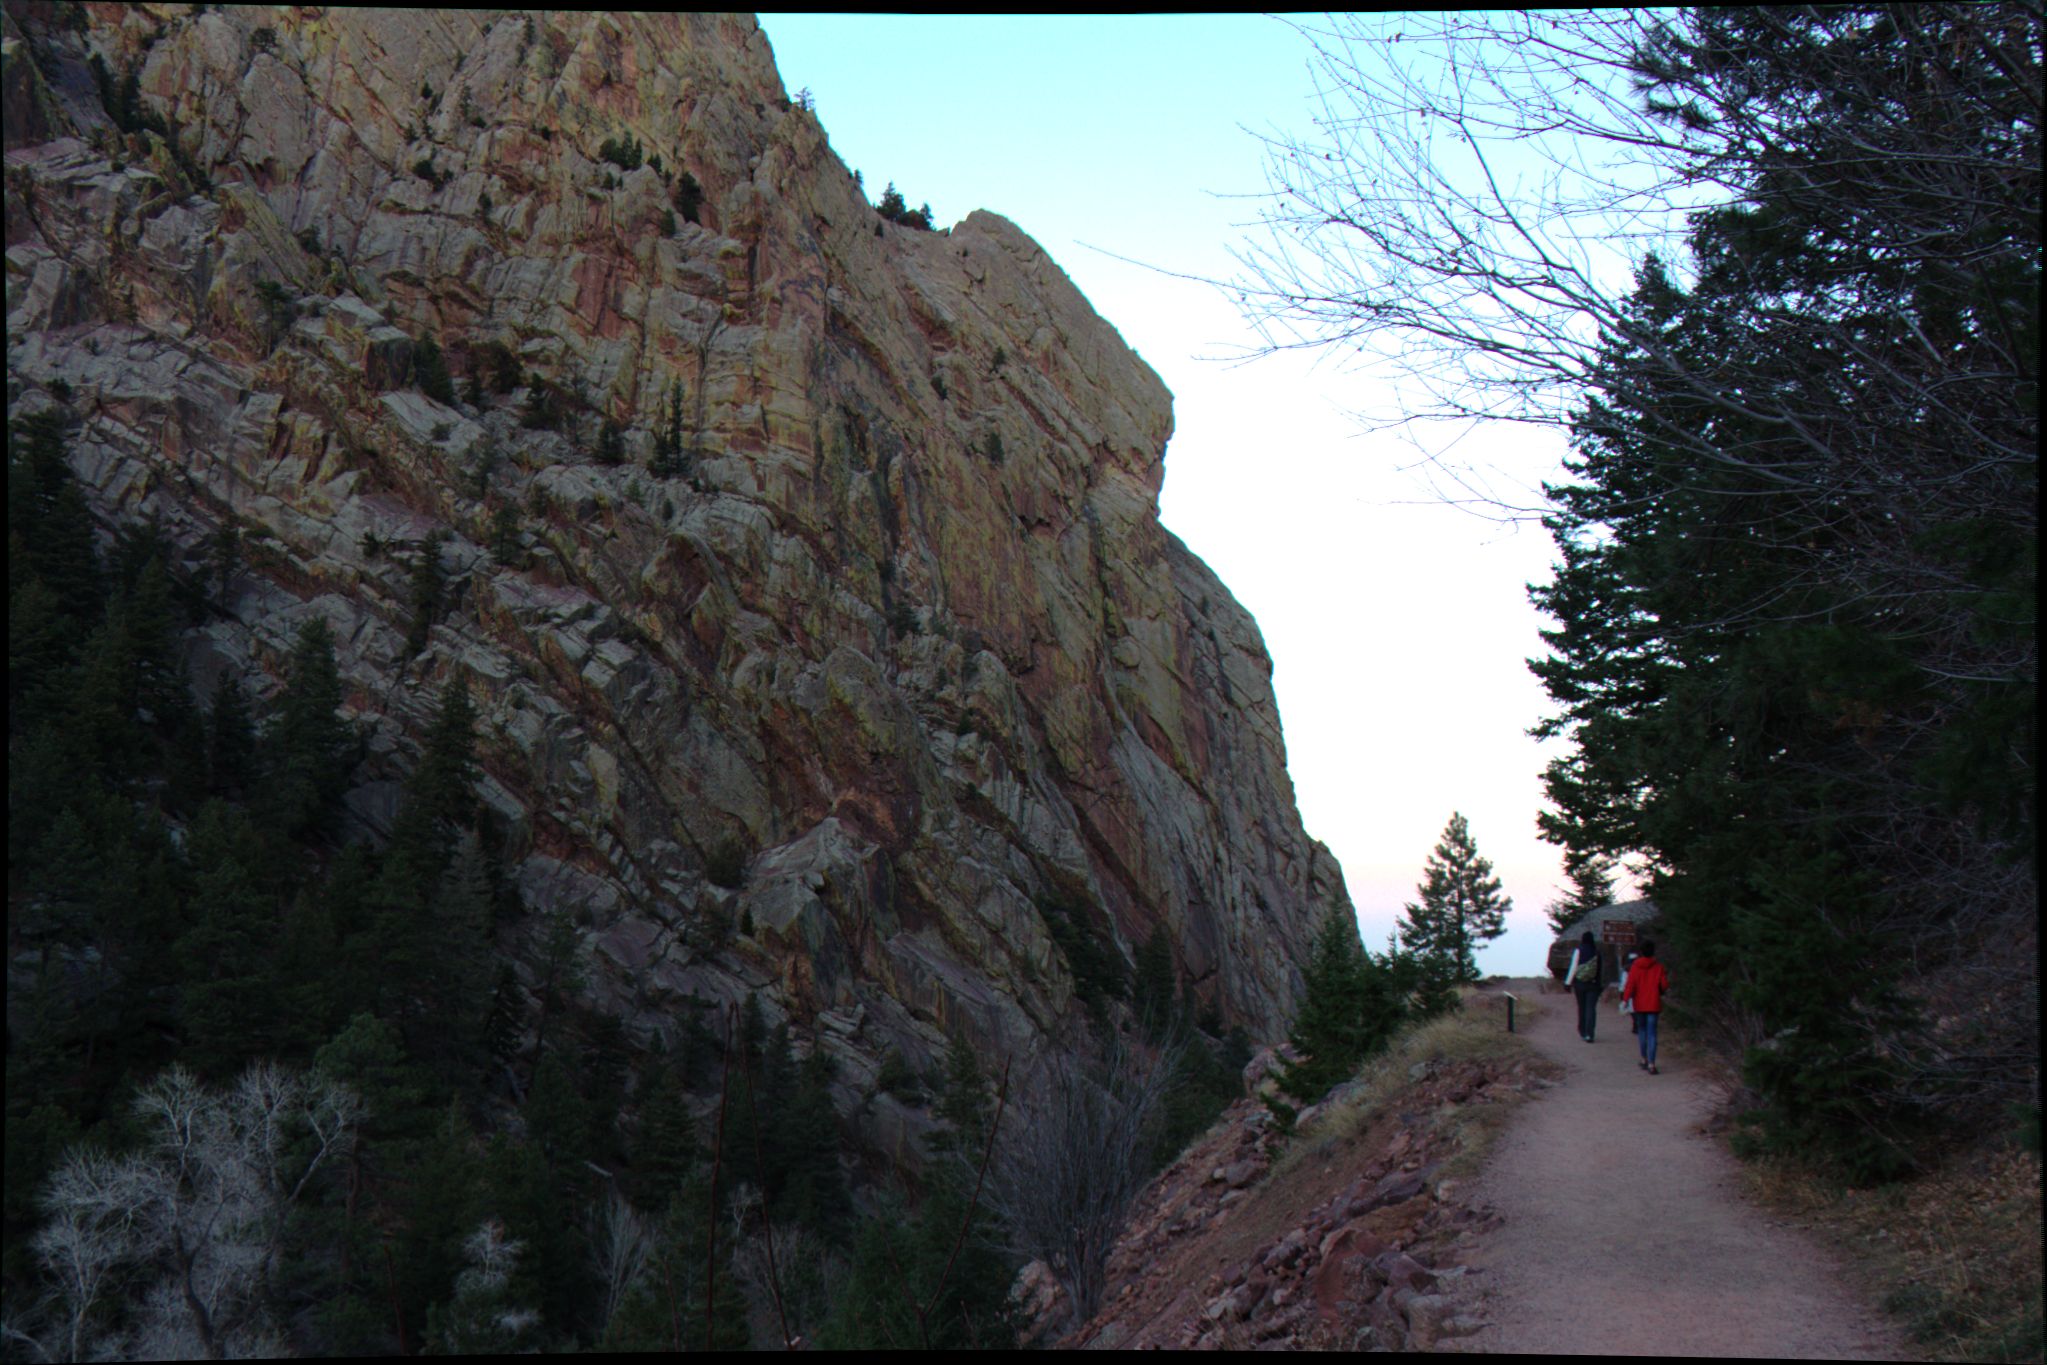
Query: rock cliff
{"points": [[881, 682]]}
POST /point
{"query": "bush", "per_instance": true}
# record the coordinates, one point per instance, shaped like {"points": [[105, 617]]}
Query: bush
{"points": [[895, 210], [725, 864], [1099, 972], [545, 407], [503, 366], [689, 197], [623, 153], [431, 371]]}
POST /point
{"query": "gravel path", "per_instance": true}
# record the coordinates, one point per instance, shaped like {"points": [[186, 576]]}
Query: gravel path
{"points": [[1625, 1231]]}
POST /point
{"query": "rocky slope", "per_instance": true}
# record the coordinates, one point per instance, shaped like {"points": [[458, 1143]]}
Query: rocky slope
{"points": [[900, 648], [1350, 1234]]}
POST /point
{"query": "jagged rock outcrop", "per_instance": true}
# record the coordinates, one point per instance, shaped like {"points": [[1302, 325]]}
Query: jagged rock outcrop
{"points": [[899, 646]]}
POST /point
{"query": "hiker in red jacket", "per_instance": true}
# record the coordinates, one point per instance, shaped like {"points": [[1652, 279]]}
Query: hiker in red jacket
{"points": [[1643, 991]]}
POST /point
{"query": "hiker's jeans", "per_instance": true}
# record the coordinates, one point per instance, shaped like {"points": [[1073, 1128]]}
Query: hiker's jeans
{"points": [[1645, 1030], [1588, 1009]]}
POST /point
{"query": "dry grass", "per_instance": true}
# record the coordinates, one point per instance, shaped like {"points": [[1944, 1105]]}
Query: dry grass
{"points": [[1953, 1254], [1477, 1032]]}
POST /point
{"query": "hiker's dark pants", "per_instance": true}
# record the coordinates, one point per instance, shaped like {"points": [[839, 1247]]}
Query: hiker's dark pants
{"points": [[1588, 1009]]}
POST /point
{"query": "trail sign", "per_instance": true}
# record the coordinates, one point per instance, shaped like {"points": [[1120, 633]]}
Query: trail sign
{"points": [[1618, 931]]}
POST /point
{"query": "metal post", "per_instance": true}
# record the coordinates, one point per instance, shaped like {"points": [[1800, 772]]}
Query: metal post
{"points": [[1510, 1010]]}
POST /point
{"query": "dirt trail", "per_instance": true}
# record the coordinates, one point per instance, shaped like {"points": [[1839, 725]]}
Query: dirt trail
{"points": [[1625, 1230]]}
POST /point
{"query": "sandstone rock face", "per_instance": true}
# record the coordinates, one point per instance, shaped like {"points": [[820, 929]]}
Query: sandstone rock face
{"points": [[900, 644]]}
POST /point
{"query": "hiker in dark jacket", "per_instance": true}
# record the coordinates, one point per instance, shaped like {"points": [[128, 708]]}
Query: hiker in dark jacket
{"points": [[1584, 975]]}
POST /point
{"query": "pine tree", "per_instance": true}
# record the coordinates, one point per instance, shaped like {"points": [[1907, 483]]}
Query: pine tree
{"points": [[1461, 905], [964, 1105], [505, 549], [46, 511], [1153, 985], [225, 556], [432, 371], [231, 1007], [310, 748], [1350, 1007], [666, 1311], [426, 591], [664, 1147], [1591, 876], [230, 741]]}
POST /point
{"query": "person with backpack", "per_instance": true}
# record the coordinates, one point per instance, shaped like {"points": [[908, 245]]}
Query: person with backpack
{"points": [[1648, 981], [1584, 974]]}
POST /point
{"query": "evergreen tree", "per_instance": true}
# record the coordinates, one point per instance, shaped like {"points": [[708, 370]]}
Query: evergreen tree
{"points": [[964, 1105], [505, 549], [230, 741], [610, 443], [562, 974], [431, 370], [812, 1183], [231, 1010], [664, 1148], [443, 787], [1153, 986], [427, 590], [225, 555], [49, 528], [666, 1310], [1350, 1007], [899, 1295], [1461, 905], [310, 748]]}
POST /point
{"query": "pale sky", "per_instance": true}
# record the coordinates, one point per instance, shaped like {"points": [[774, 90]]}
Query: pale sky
{"points": [[1398, 625]]}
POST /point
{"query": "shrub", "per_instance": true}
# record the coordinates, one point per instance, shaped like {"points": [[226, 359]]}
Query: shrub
{"points": [[430, 370], [725, 864], [1099, 972], [502, 364], [504, 536], [895, 210], [545, 406], [689, 198], [623, 153]]}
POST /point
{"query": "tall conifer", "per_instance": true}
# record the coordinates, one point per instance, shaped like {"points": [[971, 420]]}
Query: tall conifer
{"points": [[1460, 907]]}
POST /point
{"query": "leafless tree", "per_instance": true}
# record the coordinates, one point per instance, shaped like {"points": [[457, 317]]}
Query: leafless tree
{"points": [[622, 1244], [481, 1318], [1479, 187], [199, 1218], [1066, 1168]]}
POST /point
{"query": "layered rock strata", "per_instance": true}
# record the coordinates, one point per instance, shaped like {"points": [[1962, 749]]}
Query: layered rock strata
{"points": [[892, 662]]}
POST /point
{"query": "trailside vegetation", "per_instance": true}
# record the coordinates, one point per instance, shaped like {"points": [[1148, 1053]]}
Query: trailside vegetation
{"points": [[1352, 1004], [1794, 663]]}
